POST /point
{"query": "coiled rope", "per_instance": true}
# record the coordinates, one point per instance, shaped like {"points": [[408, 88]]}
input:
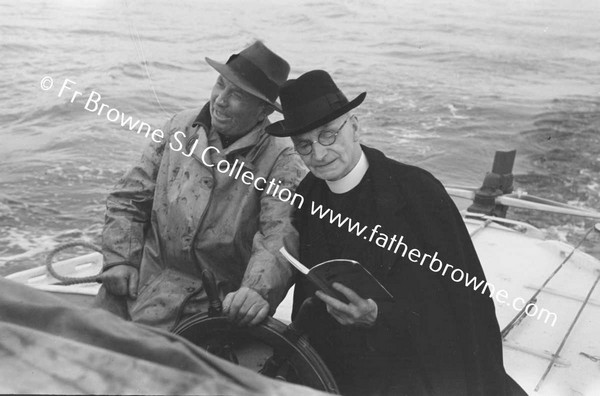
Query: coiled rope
{"points": [[68, 280]]}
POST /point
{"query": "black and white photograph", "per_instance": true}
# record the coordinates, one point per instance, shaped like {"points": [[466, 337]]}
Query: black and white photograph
{"points": [[305, 197]]}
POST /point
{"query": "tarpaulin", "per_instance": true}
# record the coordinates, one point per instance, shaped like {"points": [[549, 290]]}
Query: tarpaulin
{"points": [[48, 345]]}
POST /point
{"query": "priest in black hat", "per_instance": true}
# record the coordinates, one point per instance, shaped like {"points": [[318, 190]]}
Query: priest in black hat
{"points": [[436, 337]]}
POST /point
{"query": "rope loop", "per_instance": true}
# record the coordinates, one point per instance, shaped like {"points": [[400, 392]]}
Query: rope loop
{"points": [[67, 280]]}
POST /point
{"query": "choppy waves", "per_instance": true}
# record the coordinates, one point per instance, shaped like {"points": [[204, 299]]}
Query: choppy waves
{"points": [[448, 84]]}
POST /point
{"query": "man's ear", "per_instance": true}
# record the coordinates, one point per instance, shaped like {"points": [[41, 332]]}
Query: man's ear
{"points": [[355, 128]]}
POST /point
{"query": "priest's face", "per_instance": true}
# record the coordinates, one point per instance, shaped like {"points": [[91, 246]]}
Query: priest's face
{"points": [[332, 150]]}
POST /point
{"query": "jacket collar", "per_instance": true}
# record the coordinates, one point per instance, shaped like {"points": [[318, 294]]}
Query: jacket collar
{"points": [[203, 118]]}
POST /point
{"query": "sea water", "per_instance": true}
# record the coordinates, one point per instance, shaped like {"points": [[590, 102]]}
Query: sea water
{"points": [[448, 83]]}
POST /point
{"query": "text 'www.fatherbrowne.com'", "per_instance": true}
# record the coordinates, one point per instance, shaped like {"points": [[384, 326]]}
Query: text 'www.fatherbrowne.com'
{"points": [[395, 244]]}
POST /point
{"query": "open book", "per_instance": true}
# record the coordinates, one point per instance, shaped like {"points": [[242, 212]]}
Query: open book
{"points": [[347, 272]]}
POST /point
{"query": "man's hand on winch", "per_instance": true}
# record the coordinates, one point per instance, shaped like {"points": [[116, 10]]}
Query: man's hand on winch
{"points": [[245, 307]]}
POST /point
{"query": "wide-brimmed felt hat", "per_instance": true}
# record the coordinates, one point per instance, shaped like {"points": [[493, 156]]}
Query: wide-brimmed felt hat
{"points": [[310, 101], [257, 70]]}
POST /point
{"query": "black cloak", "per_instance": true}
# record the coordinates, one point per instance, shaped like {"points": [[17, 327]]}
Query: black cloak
{"points": [[449, 331]]}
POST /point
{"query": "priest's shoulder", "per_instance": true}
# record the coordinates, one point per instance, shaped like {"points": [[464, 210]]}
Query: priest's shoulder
{"points": [[412, 180]]}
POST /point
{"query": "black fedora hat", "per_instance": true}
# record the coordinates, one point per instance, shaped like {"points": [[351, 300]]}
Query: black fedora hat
{"points": [[257, 70], [310, 101]]}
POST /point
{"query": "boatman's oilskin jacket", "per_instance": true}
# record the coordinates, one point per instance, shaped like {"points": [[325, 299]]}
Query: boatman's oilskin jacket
{"points": [[181, 210]]}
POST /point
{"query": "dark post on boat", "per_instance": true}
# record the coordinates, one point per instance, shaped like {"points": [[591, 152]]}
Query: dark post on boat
{"points": [[496, 183]]}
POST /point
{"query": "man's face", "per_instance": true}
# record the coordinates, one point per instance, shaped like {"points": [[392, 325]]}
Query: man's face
{"points": [[233, 111], [336, 160]]}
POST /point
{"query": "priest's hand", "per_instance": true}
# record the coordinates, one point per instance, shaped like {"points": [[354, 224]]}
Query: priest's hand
{"points": [[245, 307], [358, 312]]}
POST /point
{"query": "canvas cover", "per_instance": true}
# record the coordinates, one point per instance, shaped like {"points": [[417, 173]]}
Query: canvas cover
{"points": [[48, 345]]}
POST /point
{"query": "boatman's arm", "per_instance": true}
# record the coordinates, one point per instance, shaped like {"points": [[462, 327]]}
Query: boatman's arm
{"points": [[128, 209], [268, 275]]}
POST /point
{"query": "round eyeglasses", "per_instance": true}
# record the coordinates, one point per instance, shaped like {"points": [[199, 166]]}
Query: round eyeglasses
{"points": [[326, 138]]}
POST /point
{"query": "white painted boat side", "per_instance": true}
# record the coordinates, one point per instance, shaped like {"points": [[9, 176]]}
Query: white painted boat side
{"points": [[520, 264]]}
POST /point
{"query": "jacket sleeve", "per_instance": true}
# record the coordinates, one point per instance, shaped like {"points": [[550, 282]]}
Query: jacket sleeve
{"points": [[129, 206], [268, 272]]}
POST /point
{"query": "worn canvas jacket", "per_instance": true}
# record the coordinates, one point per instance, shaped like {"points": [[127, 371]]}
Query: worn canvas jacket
{"points": [[172, 215]]}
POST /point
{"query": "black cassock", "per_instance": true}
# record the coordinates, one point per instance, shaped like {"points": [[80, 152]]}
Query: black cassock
{"points": [[438, 336]]}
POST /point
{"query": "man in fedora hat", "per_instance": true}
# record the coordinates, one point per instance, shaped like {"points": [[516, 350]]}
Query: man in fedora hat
{"points": [[177, 213], [436, 336]]}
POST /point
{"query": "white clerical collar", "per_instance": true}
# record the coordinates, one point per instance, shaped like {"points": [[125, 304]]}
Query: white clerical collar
{"points": [[352, 179]]}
